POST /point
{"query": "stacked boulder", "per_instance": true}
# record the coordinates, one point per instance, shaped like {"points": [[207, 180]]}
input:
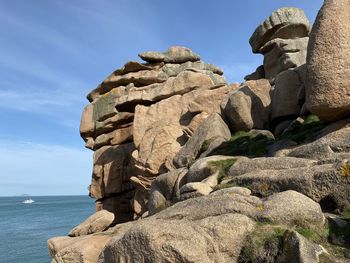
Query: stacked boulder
{"points": [[138, 120], [282, 39]]}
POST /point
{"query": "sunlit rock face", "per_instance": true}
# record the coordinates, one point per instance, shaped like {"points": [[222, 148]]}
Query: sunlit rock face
{"points": [[140, 117], [282, 38], [328, 63]]}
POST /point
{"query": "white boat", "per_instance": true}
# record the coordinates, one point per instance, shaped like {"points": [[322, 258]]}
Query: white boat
{"points": [[28, 201]]}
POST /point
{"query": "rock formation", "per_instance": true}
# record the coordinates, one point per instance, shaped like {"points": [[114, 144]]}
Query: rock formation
{"points": [[328, 93], [140, 117], [282, 39], [190, 169]]}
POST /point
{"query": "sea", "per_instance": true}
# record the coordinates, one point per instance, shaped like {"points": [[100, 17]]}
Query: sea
{"points": [[25, 228]]}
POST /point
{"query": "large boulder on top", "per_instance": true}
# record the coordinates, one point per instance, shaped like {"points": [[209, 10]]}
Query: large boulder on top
{"points": [[285, 23], [175, 54], [282, 39], [328, 63]]}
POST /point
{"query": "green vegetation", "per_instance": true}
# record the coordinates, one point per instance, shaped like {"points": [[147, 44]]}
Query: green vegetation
{"points": [[256, 145], [204, 147], [326, 235], [304, 132], [264, 244], [315, 234], [245, 144], [223, 166]]}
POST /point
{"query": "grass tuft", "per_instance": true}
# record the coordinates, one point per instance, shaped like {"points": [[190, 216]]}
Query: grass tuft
{"points": [[304, 132], [245, 144], [223, 166], [264, 244]]}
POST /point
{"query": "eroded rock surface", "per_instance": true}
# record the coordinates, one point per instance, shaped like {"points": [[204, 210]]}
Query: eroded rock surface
{"points": [[248, 107], [282, 39], [97, 222], [140, 117], [328, 64]]}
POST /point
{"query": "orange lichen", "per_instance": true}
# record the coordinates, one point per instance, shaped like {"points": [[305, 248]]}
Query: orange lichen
{"points": [[344, 170]]}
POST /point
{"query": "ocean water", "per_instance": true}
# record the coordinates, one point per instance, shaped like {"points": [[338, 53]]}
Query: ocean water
{"points": [[25, 228]]}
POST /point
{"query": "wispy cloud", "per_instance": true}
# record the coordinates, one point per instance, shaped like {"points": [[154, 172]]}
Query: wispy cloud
{"points": [[33, 86], [49, 35], [120, 18], [34, 164], [36, 101]]}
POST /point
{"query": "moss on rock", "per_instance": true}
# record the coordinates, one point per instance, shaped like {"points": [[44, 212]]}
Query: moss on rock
{"points": [[304, 131], [264, 244], [223, 166], [245, 144]]}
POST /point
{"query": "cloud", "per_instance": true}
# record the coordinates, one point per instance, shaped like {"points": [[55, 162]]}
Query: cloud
{"points": [[43, 102], [32, 86], [49, 35], [120, 18], [62, 170]]}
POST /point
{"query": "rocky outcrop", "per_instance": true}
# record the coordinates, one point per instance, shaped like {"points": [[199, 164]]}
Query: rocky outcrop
{"points": [[328, 65], [218, 224], [139, 119], [190, 169], [311, 169], [218, 238]]}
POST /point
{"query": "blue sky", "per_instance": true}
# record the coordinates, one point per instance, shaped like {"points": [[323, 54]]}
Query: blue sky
{"points": [[52, 53]]}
